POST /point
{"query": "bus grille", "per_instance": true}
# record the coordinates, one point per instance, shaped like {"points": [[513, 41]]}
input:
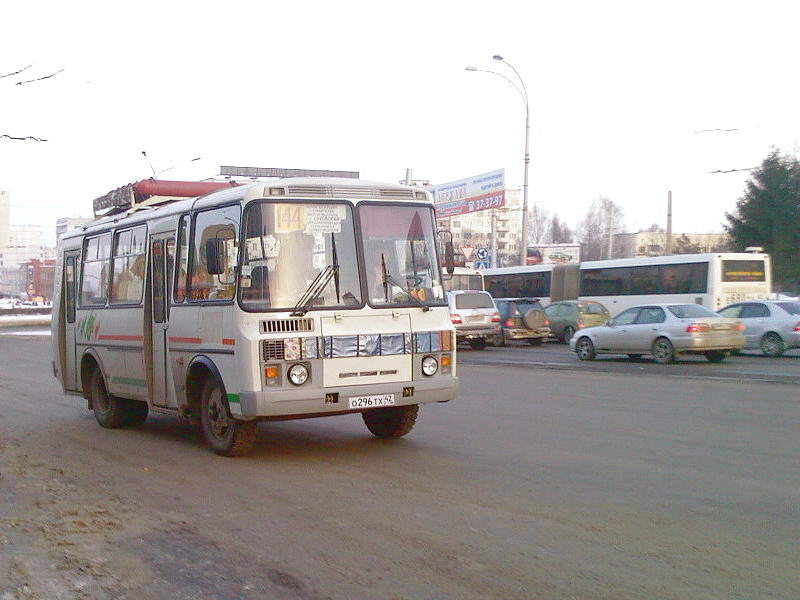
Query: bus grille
{"points": [[287, 325], [273, 350]]}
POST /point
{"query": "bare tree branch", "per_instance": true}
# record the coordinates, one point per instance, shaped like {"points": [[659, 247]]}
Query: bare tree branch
{"points": [[15, 72], [39, 78], [27, 137]]}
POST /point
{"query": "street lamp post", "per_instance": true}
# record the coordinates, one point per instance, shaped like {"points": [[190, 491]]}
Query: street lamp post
{"points": [[523, 252]]}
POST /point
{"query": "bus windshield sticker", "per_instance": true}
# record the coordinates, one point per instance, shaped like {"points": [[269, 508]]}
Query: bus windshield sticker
{"points": [[324, 219]]}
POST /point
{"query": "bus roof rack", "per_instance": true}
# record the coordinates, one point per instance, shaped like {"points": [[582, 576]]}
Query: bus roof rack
{"points": [[152, 192]]}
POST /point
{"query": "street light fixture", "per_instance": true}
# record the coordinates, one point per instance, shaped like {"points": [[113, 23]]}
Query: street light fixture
{"points": [[523, 253]]}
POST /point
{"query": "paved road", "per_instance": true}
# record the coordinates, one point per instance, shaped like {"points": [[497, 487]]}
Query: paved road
{"points": [[750, 365], [530, 485]]}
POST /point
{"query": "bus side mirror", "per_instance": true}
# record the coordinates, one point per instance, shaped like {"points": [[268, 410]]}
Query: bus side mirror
{"points": [[215, 256], [449, 257]]}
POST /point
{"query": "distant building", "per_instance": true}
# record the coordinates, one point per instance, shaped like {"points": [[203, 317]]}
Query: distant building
{"points": [[472, 231], [654, 243], [38, 277], [67, 224], [19, 243]]}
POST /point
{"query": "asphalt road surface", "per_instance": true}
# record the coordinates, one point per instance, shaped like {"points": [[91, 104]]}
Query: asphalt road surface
{"points": [[537, 482]]}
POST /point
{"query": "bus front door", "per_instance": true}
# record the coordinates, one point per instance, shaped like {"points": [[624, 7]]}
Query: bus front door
{"points": [[162, 262], [70, 365]]}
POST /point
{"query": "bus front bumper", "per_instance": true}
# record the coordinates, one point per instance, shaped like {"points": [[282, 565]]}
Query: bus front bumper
{"points": [[304, 402]]}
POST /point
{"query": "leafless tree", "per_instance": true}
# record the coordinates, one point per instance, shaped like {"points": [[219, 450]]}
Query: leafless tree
{"points": [[538, 225], [597, 228], [22, 81]]}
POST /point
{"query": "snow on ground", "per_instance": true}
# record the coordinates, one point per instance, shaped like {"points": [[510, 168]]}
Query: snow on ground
{"points": [[17, 320]]}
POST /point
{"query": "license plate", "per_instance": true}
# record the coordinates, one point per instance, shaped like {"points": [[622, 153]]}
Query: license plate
{"points": [[478, 319], [370, 401]]}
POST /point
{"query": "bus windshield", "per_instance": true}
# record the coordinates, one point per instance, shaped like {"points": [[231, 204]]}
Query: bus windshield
{"points": [[399, 247], [288, 244]]}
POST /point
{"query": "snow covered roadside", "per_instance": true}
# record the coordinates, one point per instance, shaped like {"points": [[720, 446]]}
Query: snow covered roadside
{"points": [[23, 320]]}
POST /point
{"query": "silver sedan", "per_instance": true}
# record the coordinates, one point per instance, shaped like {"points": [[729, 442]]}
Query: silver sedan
{"points": [[773, 326], [663, 331]]}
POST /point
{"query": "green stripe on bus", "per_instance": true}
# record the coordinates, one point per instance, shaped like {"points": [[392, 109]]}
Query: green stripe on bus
{"points": [[233, 398], [129, 381]]}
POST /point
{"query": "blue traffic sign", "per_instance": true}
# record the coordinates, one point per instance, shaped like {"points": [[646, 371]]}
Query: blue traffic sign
{"points": [[481, 264], [482, 254]]}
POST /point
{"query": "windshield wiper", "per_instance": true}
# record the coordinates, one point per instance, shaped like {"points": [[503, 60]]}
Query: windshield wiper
{"points": [[317, 286], [335, 267], [315, 290], [388, 279]]}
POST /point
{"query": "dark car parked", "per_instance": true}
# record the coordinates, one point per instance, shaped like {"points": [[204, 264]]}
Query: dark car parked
{"points": [[521, 319]]}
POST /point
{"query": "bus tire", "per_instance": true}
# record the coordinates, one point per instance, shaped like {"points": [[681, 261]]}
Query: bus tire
{"points": [[136, 413], [392, 422], [663, 351], [225, 435], [772, 345], [108, 410]]}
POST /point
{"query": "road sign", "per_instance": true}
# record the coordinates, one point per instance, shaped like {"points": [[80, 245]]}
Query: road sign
{"points": [[481, 264], [482, 254], [467, 252]]}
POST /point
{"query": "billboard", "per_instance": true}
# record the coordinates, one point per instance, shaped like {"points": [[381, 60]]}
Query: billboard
{"points": [[549, 254], [469, 195]]}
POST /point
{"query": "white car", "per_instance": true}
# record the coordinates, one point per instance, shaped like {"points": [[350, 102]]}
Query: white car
{"points": [[771, 325], [663, 331], [475, 317]]}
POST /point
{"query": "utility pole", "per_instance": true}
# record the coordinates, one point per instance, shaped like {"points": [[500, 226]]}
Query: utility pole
{"points": [[668, 249], [493, 262]]}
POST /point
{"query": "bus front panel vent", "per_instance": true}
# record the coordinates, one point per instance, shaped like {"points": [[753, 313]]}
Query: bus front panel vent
{"points": [[287, 325], [397, 193], [308, 190], [345, 191], [273, 350]]}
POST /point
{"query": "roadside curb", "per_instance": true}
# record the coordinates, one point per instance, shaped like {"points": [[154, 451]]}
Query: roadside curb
{"points": [[26, 321], [787, 380]]}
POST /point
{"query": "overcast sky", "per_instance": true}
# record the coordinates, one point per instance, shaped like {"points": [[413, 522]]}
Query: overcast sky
{"points": [[617, 92]]}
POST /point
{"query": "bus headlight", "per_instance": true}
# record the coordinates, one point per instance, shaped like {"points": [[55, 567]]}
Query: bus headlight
{"points": [[429, 366], [298, 374]]}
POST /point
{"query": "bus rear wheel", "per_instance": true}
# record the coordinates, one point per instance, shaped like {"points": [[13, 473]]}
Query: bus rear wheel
{"points": [[225, 435], [108, 410], [136, 413], [392, 422]]}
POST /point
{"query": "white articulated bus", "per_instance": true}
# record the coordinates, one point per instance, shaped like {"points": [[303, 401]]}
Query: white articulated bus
{"points": [[464, 278], [285, 299], [713, 280]]}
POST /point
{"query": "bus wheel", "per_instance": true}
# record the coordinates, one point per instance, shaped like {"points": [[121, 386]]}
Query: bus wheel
{"points": [[392, 422], [226, 436], [663, 351], [136, 413], [108, 410]]}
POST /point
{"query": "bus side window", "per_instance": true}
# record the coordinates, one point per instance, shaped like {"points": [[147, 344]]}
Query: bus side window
{"points": [[69, 288], [182, 262], [222, 224]]}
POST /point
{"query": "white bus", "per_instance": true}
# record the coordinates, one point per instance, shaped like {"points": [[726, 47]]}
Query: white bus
{"points": [[713, 280], [285, 299], [464, 278]]}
